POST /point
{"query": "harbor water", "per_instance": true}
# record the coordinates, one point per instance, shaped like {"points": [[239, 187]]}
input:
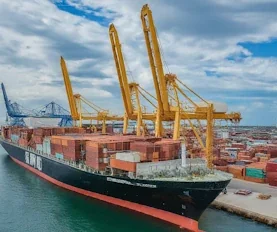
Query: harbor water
{"points": [[29, 203]]}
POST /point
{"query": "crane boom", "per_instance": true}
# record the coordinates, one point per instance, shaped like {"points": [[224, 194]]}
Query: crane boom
{"points": [[121, 70], [9, 110], [155, 58], [69, 92], [165, 85]]}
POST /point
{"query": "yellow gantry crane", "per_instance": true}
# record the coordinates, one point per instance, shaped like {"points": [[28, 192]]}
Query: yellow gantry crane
{"points": [[131, 92], [169, 92], [78, 104]]}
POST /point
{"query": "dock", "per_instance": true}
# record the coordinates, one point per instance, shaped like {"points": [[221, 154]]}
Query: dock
{"points": [[250, 206]]}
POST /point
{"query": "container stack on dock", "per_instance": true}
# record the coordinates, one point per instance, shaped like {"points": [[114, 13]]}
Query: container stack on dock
{"points": [[255, 172], [238, 171], [271, 172]]}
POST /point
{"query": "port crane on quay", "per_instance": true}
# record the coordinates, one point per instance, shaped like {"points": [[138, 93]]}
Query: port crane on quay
{"points": [[174, 98], [78, 104], [131, 92]]}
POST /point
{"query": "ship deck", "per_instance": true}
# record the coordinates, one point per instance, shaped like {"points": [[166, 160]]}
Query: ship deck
{"points": [[217, 176]]}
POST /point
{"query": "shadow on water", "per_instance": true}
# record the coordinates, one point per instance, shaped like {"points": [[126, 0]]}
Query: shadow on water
{"points": [[29, 203]]}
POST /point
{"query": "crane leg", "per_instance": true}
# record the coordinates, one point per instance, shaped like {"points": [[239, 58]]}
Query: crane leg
{"points": [[209, 137], [104, 126], [176, 132], [158, 127], [139, 125], [125, 124]]}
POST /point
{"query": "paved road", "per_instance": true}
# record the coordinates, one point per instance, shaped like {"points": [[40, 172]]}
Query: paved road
{"points": [[255, 187]]}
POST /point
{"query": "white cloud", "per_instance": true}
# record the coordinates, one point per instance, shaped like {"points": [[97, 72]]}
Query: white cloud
{"points": [[196, 37]]}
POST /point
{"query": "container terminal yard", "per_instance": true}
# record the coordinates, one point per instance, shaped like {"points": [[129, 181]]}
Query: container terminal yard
{"points": [[169, 160]]}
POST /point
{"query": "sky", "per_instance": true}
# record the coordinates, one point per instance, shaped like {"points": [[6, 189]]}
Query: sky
{"points": [[224, 50]]}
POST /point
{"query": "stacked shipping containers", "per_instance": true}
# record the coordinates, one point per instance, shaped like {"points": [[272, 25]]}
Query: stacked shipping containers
{"points": [[69, 147], [97, 155], [169, 149], [271, 172], [237, 171], [255, 172], [146, 149]]}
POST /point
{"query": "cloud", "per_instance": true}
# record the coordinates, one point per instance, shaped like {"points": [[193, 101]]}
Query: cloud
{"points": [[202, 42]]}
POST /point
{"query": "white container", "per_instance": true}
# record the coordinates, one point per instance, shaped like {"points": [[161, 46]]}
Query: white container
{"points": [[225, 134], [46, 145], [232, 152], [105, 160], [128, 156], [39, 147]]}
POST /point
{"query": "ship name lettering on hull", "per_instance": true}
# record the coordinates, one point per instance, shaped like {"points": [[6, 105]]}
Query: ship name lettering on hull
{"points": [[33, 160], [130, 183]]}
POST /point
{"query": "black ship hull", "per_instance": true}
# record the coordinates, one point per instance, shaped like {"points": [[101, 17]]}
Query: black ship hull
{"points": [[181, 203]]}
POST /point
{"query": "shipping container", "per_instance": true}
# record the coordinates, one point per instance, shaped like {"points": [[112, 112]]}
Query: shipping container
{"points": [[59, 155], [255, 179], [271, 166], [254, 172], [272, 178], [237, 171], [39, 148], [123, 165], [96, 163], [14, 138], [128, 156], [46, 145]]}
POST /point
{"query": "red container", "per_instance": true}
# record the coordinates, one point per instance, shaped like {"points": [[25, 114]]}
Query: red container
{"points": [[271, 167], [96, 163], [119, 146], [239, 145], [126, 146], [272, 183], [37, 139], [109, 129], [123, 165], [23, 142], [58, 131], [220, 162], [222, 168], [272, 178]]}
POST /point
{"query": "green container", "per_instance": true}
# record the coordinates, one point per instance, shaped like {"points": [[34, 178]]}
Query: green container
{"points": [[256, 173]]}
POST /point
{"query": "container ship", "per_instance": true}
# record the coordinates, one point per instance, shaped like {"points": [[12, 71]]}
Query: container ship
{"points": [[145, 174]]}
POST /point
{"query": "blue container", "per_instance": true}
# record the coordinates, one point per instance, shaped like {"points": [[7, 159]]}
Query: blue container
{"points": [[14, 138], [59, 155]]}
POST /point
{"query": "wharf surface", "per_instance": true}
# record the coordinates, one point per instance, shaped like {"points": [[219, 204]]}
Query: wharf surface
{"points": [[249, 206]]}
